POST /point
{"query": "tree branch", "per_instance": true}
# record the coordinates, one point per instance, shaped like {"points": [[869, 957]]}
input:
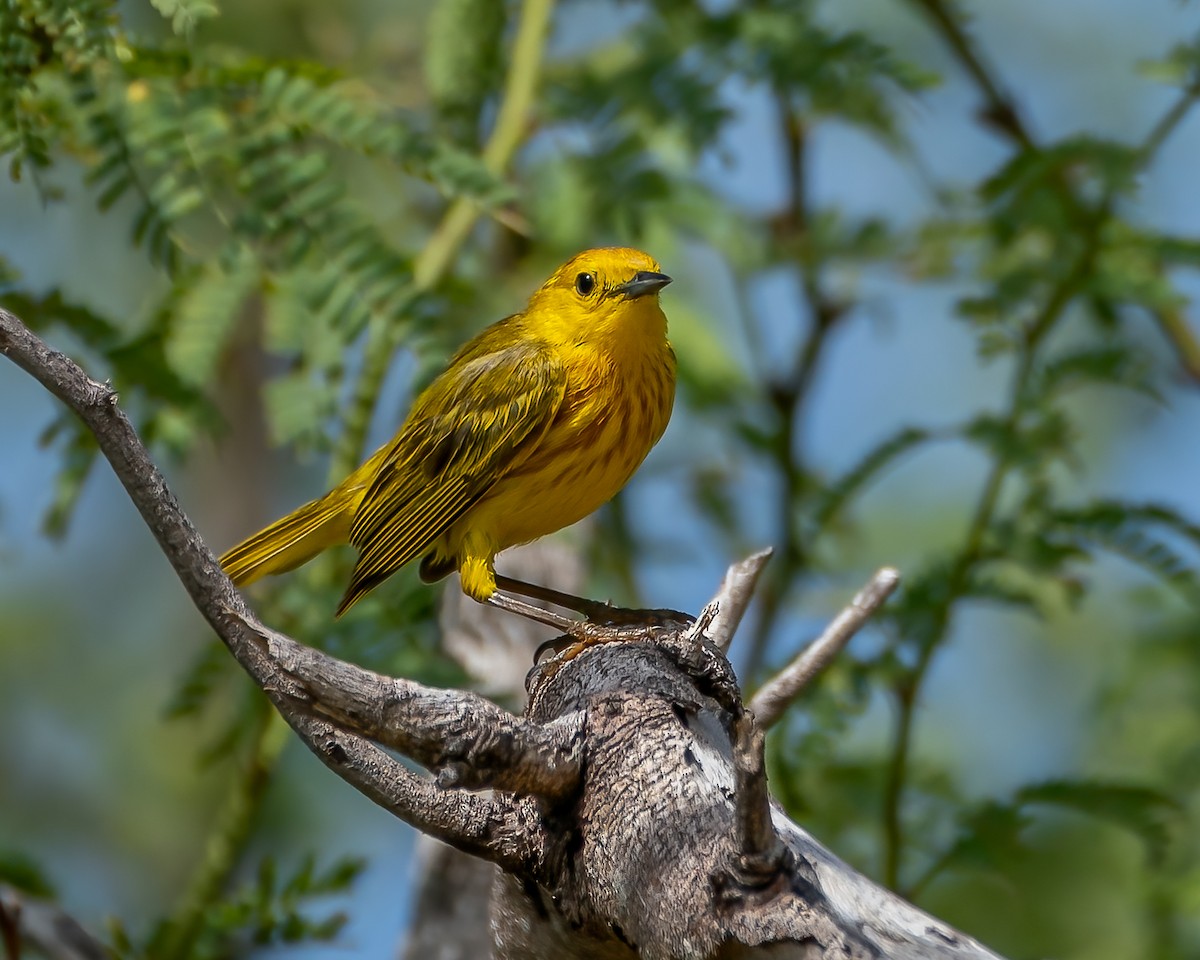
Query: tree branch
{"points": [[721, 616], [778, 693], [998, 110], [762, 853], [502, 830], [650, 771], [45, 927], [467, 739]]}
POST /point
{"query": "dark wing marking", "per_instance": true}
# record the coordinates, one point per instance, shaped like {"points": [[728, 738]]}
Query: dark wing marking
{"points": [[464, 432]]}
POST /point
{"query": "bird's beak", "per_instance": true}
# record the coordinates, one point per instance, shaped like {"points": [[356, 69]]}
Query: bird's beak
{"points": [[643, 282]]}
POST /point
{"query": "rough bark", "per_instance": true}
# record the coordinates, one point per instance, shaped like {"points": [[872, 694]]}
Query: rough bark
{"points": [[453, 890], [44, 927], [627, 809]]}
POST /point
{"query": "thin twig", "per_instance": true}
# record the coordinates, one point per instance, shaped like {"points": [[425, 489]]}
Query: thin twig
{"points": [[45, 927], [999, 110], [719, 620], [778, 693]]}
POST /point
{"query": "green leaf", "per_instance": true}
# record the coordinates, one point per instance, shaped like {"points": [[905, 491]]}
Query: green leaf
{"points": [[196, 689], [1145, 812], [992, 832], [1028, 188], [988, 835], [79, 456], [207, 312], [186, 15], [355, 117], [708, 369], [1179, 68], [1118, 364], [1041, 436], [296, 406], [463, 52], [1005, 590], [22, 871], [1112, 514], [1128, 530], [340, 875]]}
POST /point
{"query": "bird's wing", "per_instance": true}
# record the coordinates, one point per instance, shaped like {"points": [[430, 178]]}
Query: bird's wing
{"points": [[463, 434]]}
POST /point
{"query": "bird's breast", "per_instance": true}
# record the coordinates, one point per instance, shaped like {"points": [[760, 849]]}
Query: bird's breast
{"points": [[612, 414]]}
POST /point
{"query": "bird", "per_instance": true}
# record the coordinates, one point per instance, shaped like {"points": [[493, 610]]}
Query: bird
{"points": [[534, 424]]}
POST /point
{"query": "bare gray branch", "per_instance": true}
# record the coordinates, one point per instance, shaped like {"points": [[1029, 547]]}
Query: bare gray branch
{"points": [[769, 704], [498, 829], [761, 850], [467, 739], [27, 921], [719, 620]]}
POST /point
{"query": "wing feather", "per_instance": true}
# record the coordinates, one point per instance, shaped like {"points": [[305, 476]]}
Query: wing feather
{"points": [[465, 432]]}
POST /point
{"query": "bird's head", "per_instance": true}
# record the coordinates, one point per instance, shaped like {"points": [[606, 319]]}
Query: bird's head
{"points": [[610, 292]]}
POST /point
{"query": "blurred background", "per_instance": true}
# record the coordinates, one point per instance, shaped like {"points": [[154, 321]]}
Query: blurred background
{"points": [[932, 271]]}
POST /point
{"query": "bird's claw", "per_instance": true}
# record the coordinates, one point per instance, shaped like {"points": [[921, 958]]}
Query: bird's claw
{"points": [[611, 624], [603, 614]]}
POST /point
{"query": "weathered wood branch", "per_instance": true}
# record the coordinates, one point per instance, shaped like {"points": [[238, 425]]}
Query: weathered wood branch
{"points": [[770, 703], [469, 741], [501, 830], [45, 927], [627, 810], [451, 906], [723, 613]]}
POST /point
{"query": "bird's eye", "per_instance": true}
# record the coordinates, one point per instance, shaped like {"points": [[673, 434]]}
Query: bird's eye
{"points": [[585, 283]]}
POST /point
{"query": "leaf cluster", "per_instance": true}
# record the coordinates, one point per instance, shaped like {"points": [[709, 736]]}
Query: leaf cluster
{"points": [[271, 909]]}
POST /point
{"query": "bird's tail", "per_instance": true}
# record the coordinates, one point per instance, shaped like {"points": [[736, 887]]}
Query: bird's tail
{"points": [[291, 540]]}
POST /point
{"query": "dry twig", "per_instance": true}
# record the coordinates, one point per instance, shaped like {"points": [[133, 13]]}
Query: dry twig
{"points": [[774, 697]]}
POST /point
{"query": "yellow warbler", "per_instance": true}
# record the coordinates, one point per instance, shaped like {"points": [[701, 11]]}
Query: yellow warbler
{"points": [[535, 423]]}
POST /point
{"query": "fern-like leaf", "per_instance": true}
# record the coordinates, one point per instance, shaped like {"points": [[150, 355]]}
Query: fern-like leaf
{"points": [[207, 312], [186, 15], [1120, 364], [1128, 530]]}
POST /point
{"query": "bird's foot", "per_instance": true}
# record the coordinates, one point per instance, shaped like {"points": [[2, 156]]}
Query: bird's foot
{"points": [[595, 611], [604, 614], [611, 625], [603, 624], [584, 635]]}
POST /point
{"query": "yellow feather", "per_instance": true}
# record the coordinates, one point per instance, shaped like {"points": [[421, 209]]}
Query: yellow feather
{"points": [[535, 423], [291, 541]]}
